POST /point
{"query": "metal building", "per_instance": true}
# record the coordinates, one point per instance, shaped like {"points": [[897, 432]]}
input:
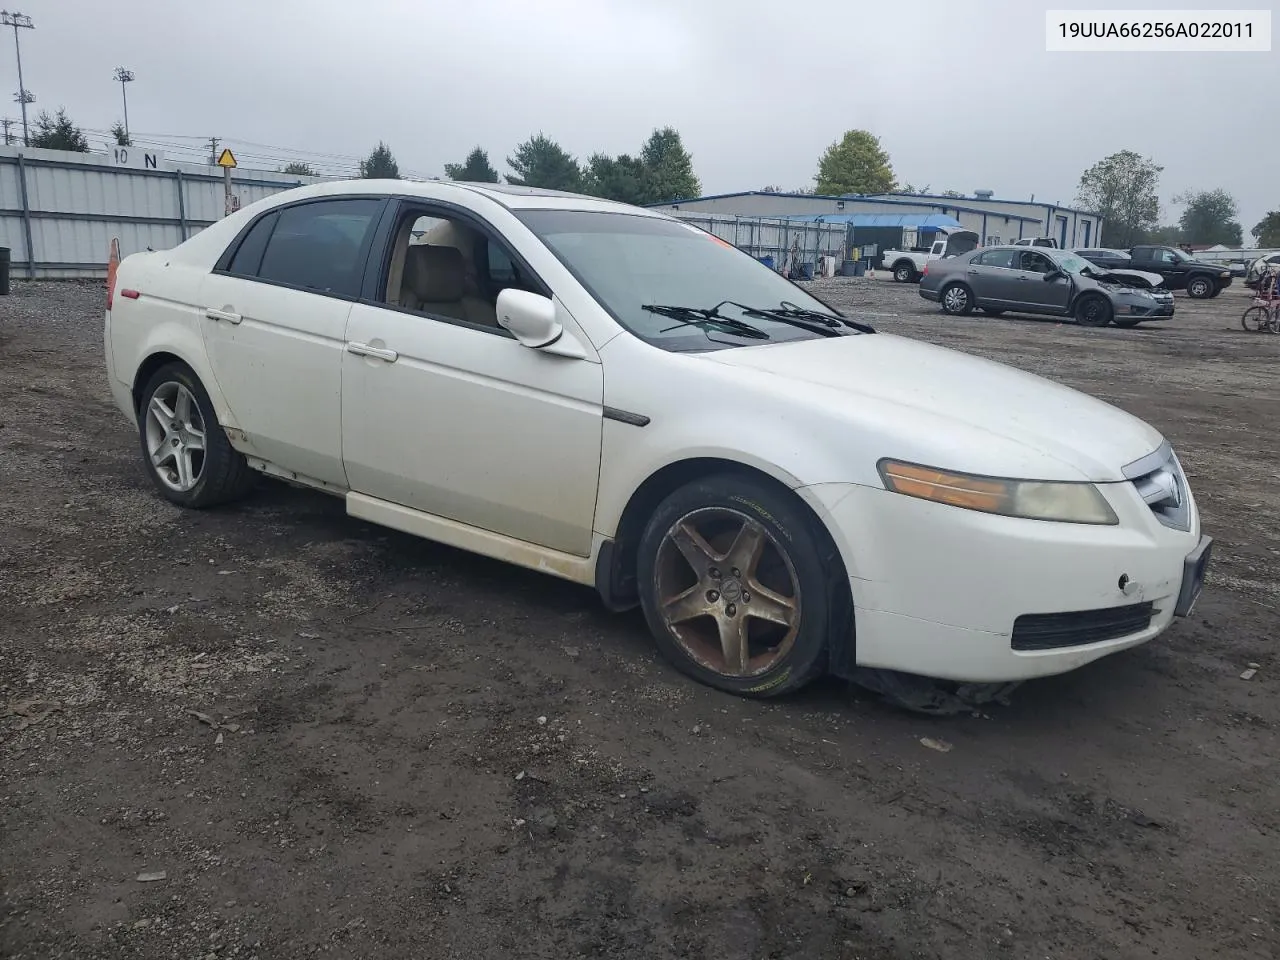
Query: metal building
{"points": [[995, 221]]}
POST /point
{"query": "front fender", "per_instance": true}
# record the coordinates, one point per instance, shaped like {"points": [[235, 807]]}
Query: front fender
{"points": [[709, 417]]}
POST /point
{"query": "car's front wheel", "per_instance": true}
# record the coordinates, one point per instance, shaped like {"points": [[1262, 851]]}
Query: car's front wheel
{"points": [[1093, 310], [957, 299], [1200, 288], [740, 586], [186, 453]]}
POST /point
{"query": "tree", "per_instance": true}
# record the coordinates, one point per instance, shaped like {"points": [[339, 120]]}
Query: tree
{"points": [[668, 168], [954, 194], [380, 164], [475, 169], [541, 162], [624, 178], [299, 169], [1122, 189], [122, 137], [856, 163], [1266, 232], [1166, 236], [771, 189], [58, 133], [1211, 217]]}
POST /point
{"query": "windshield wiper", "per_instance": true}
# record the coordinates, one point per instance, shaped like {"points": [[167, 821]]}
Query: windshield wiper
{"points": [[827, 324], [704, 318]]}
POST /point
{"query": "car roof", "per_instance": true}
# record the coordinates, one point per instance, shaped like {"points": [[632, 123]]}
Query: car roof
{"points": [[511, 196]]}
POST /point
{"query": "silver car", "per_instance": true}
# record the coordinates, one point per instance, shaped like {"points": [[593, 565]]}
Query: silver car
{"points": [[1044, 281]]}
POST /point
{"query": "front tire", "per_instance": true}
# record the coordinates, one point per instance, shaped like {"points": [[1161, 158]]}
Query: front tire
{"points": [[957, 300], [1093, 311], [1200, 288], [186, 453], [741, 587]]}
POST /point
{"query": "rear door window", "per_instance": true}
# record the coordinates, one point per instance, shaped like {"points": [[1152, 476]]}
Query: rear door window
{"points": [[320, 246], [996, 258], [248, 256]]}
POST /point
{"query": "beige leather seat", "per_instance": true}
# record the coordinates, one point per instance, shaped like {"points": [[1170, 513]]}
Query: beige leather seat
{"points": [[435, 282]]}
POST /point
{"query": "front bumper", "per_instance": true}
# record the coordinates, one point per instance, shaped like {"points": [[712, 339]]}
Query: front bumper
{"points": [[938, 590]]}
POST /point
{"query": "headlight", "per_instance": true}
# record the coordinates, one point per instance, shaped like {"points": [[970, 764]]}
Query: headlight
{"points": [[1028, 499]]}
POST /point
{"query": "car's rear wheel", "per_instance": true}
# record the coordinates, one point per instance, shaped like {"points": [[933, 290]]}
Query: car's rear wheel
{"points": [[740, 586], [1093, 311], [186, 452], [1200, 288], [957, 299], [904, 272]]}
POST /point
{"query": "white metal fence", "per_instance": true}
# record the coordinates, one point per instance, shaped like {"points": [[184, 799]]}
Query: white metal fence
{"points": [[59, 210], [774, 237]]}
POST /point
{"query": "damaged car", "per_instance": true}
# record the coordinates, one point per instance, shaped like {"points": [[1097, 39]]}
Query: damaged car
{"points": [[1043, 281]]}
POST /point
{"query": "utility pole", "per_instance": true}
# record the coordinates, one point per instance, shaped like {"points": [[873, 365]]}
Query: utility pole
{"points": [[19, 21], [7, 139], [122, 77], [213, 151]]}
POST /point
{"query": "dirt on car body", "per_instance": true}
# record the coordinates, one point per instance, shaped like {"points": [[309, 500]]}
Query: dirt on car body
{"points": [[278, 731]]}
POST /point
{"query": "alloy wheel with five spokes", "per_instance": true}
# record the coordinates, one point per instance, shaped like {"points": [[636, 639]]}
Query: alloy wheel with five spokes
{"points": [[175, 436], [728, 591]]}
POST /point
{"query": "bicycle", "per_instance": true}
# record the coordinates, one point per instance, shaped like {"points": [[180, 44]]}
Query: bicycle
{"points": [[1264, 315]]}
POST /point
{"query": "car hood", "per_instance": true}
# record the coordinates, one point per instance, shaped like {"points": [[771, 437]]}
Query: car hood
{"points": [[1129, 278], [959, 396]]}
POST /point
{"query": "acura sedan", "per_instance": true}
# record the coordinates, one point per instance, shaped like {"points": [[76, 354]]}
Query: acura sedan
{"points": [[611, 396], [1055, 283]]}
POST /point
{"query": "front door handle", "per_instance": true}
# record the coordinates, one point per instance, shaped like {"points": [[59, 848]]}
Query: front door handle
{"points": [[377, 353], [224, 315]]}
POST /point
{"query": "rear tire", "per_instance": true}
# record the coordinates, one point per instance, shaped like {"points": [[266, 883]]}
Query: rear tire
{"points": [[957, 300], [1093, 310], [904, 272], [1200, 287], [741, 587], [184, 449]]}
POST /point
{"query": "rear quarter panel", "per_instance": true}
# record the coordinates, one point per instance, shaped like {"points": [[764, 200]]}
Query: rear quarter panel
{"points": [[165, 318]]}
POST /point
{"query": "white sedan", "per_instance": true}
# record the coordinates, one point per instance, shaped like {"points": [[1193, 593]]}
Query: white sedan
{"points": [[608, 395]]}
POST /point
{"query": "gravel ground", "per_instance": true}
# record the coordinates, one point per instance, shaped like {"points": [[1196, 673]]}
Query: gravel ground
{"points": [[275, 732]]}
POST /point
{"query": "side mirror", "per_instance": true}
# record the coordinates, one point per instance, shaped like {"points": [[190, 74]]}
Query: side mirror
{"points": [[531, 318]]}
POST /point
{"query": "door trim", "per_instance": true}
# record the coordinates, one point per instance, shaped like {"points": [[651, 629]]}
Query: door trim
{"points": [[566, 566]]}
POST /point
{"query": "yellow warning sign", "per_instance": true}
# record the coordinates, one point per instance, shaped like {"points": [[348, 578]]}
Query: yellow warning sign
{"points": [[226, 158]]}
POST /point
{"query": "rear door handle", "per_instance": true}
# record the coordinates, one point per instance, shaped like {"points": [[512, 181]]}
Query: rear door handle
{"points": [[224, 315], [378, 353]]}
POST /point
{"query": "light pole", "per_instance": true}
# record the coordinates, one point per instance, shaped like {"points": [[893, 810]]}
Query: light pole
{"points": [[19, 21], [123, 76]]}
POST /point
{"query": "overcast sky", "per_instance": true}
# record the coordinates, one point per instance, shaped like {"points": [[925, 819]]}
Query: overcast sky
{"points": [[962, 95]]}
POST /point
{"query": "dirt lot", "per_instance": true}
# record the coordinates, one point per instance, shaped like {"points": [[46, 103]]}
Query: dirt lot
{"points": [[419, 753]]}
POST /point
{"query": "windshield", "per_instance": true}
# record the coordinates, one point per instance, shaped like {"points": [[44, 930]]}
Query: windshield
{"points": [[629, 262], [1073, 264]]}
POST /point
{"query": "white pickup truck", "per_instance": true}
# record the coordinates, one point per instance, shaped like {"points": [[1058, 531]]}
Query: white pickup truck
{"points": [[907, 266]]}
